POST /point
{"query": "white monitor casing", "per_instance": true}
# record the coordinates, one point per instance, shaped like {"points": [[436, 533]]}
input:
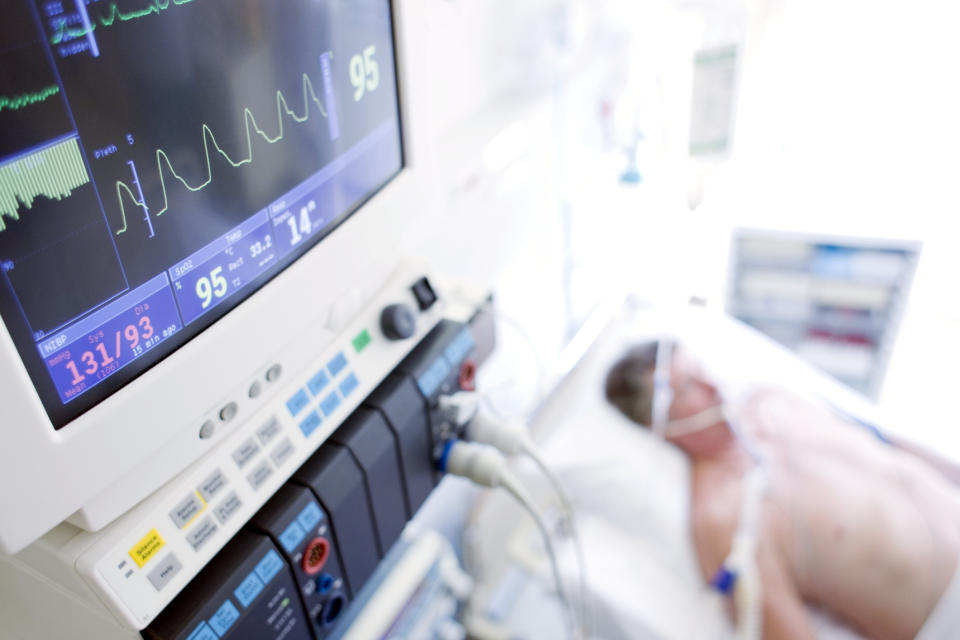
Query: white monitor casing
{"points": [[117, 453]]}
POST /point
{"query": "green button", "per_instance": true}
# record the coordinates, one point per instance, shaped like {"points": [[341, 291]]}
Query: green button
{"points": [[361, 341]]}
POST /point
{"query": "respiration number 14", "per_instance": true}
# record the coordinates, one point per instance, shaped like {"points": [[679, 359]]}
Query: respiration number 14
{"points": [[364, 73]]}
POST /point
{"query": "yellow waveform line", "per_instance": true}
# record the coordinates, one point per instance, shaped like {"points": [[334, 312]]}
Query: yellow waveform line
{"points": [[248, 118]]}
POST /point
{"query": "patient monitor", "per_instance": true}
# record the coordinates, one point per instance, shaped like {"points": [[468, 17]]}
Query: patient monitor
{"points": [[204, 212]]}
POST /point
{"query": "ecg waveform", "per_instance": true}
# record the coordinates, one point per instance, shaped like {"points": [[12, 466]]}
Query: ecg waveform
{"points": [[26, 99], [65, 33], [53, 172], [208, 137]]}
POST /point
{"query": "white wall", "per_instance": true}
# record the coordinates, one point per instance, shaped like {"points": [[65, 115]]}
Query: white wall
{"points": [[849, 124]]}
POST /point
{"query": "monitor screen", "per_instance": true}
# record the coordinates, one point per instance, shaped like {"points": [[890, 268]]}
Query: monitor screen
{"points": [[160, 160]]}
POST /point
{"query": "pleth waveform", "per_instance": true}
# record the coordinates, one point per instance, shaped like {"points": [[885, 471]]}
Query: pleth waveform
{"points": [[124, 191], [53, 172]]}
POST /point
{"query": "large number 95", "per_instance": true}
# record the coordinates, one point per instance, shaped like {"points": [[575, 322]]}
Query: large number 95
{"points": [[364, 72], [209, 288]]}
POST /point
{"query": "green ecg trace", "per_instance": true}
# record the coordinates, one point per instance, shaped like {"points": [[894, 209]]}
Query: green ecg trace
{"points": [[53, 172], [69, 33], [27, 99], [248, 119]]}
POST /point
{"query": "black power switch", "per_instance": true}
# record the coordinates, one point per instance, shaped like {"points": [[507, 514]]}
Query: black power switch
{"points": [[424, 293], [397, 321]]}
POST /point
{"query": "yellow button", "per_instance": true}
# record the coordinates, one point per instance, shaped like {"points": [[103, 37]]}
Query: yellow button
{"points": [[146, 548]]}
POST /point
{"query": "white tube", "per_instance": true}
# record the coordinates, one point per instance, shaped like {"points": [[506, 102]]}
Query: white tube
{"points": [[748, 592], [697, 422], [662, 393]]}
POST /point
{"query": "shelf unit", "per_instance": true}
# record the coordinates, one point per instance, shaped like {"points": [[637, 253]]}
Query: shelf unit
{"points": [[836, 301]]}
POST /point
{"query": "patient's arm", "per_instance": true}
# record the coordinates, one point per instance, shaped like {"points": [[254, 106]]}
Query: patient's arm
{"points": [[714, 519], [947, 468], [784, 613]]}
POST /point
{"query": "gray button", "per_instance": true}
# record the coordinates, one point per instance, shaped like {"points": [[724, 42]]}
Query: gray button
{"points": [[164, 572], [282, 452], [202, 532], [186, 510], [230, 505], [212, 485], [245, 451], [206, 431], [254, 390], [267, 432], [259, 475], [228, 412], [273, 373]]}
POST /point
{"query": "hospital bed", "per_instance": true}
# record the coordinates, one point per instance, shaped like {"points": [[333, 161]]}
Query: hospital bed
{"points": [[631, 493]]}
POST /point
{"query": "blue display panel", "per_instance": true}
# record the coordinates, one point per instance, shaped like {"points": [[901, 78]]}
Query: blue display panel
{"points": [[160, 161]]}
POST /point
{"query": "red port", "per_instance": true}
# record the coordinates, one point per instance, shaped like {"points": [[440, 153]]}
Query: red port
{"points": [[468, 374], [315, 555]]}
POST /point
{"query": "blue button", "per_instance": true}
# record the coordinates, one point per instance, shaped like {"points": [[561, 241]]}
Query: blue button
{"points": [[309, 424], [203, 632], [349, 384], [310, 517], [292, 536], [224, 618], [433, 377], [338, 364], [248, 590], [269, 566], [458, 349], [318, 382], [298, 402], [330, 403]]}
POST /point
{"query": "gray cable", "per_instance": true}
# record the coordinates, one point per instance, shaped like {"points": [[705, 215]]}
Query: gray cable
{"points": [[586, 610], [511, 484]]}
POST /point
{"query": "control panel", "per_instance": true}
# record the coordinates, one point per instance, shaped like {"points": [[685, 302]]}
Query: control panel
{"points": [[336, 522], [354, 436]]}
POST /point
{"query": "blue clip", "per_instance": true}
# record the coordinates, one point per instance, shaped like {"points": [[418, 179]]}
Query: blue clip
{"points": [[442, 462], [724, 580]]}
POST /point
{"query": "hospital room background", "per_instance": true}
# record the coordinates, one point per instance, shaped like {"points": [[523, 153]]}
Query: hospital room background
{"points": [[772, 183]]}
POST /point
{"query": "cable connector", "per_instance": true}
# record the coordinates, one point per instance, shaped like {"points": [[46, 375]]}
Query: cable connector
{"points": [[460, 407], [509, 436], [480, 463]]}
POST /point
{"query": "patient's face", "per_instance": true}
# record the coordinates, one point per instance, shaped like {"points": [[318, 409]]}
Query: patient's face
{"points": [[693, 391]]}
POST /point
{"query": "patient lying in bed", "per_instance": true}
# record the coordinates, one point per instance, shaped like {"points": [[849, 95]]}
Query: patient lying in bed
{"points": [[866, 530]]}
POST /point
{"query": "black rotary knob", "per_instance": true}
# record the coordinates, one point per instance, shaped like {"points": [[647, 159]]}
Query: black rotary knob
{"points": [[397, 321]]}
